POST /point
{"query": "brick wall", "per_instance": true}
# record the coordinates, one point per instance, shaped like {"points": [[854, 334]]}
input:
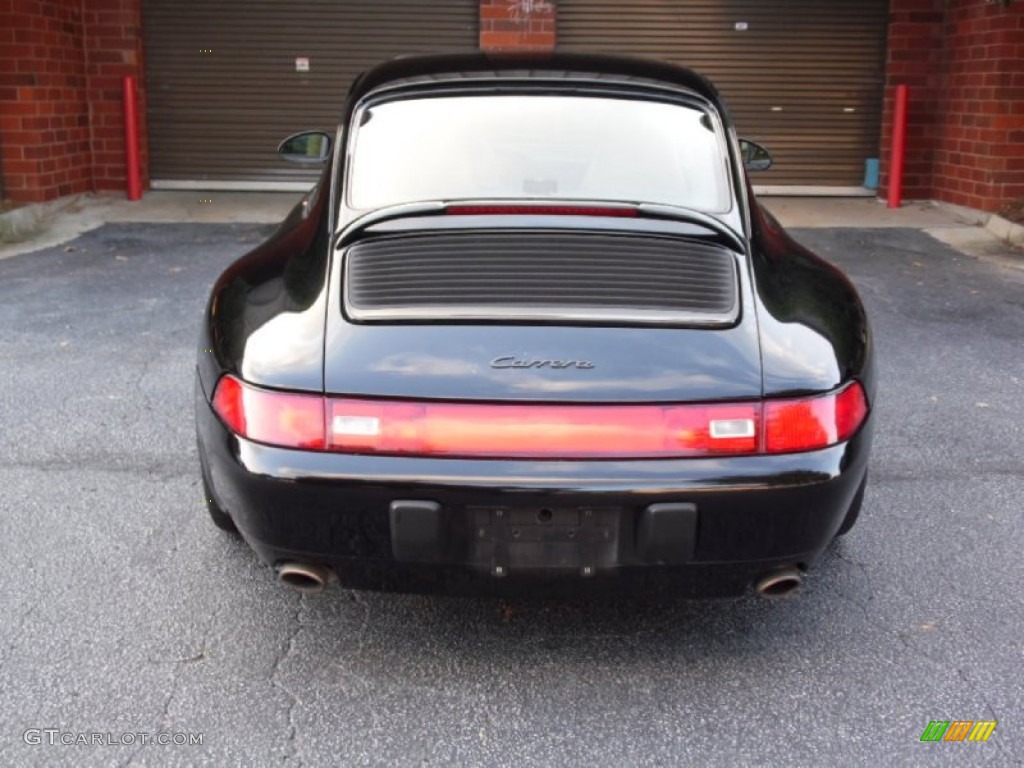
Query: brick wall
{"points": [[979, 158], [113, 45], [915, 58], [963, 61], [43, 110], [517, 25], [61, 112]]}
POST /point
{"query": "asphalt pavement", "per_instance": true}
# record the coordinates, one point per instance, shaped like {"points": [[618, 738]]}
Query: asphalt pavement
{"points": [[124, 613]]}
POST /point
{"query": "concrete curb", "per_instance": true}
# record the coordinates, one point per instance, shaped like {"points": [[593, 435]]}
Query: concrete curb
{"points": [[1006, 230], [20, 223], [1002, 228], [24, 223]]}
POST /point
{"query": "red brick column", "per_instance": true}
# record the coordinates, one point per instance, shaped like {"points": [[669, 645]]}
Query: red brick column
{"points": [[963, 61], [44, 118], [915, 58], [517, 25], [61, 110], [113, 46], [979, 159]]}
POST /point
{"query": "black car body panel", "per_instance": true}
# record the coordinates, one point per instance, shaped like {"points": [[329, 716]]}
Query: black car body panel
{"points": [[508, 363], [563, 361], [277, 318], [814, 330], [265, 317]]}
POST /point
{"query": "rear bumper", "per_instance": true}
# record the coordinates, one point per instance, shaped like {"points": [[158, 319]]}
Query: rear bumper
{"points": [[709, 525]]}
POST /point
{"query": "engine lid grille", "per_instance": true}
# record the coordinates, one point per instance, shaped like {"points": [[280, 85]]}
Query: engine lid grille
{"points": [[541, 277]]}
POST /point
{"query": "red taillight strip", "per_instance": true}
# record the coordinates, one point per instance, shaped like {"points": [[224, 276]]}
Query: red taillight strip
{"points": [[512, 430], [807, 424], [533, 431], [538, 210], [266, 416]]}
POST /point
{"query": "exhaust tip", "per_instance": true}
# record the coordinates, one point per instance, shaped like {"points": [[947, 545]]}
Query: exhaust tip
{"points": [[780, 583], [303, 577]]}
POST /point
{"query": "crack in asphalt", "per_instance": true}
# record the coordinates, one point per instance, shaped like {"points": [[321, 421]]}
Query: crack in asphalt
{"points": [[862, 604], [363, 685], [161, 472], [869, 587], [292, 749], [907, 640], [1004, 747], [177, 669], [1010, 469], [164, 714], [144, 398]]}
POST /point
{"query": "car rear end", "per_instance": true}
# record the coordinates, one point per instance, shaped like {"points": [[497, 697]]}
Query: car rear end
{"points": [[537, 367]]}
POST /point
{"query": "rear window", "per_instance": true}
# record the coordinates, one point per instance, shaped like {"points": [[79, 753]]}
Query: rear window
{"points": [[532, 146]]}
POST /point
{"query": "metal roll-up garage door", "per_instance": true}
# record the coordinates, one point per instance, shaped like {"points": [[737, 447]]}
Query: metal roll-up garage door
{"points": [[226, 81], [803, 77]]}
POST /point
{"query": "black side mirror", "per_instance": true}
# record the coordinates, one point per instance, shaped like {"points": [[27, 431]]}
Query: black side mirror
{"points": [[755, 156], [308, 147]]}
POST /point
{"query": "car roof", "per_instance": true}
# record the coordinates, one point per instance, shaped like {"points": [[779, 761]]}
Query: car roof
{"points": [[410, 70]]}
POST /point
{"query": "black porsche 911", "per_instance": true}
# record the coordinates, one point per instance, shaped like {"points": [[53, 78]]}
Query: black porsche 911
{"points": [[532, 328]]}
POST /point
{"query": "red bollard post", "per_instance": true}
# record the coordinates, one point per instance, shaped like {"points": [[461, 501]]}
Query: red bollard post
{"points": [[131, 141], [899, 148]]}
